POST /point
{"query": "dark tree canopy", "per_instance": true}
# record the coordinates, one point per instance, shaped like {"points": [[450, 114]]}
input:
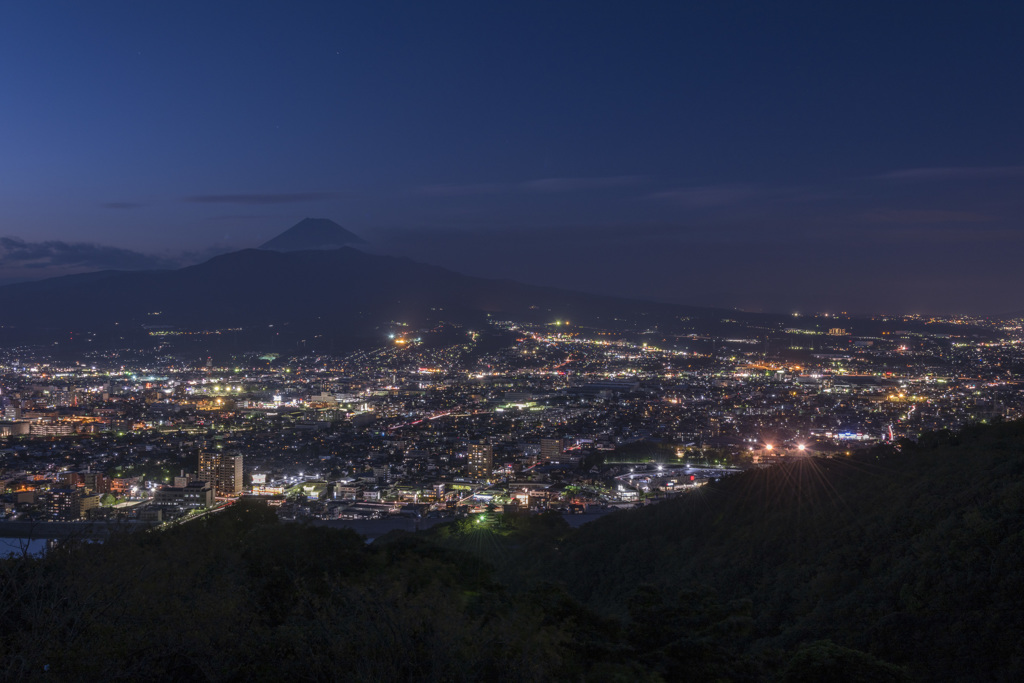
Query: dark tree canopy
{"points": [[897, 564]]}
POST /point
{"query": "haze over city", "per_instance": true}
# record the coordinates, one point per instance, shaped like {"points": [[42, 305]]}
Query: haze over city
{"points": [[791, 157]]}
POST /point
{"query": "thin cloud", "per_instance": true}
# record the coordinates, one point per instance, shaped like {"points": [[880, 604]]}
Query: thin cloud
{"points": [[417, 241], [953, 173], [190, 257], [237, 217], [17, 253], [463, 190], [261, 199], [578, 184], [925, 216], [540, 185], [708, 196], [925, 235]]}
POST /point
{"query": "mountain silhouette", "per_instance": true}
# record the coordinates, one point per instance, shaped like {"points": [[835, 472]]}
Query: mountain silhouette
{"points": [[341, 295], [312, 233]]}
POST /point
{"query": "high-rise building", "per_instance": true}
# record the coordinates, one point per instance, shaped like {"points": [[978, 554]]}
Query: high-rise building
{"points": [[550, 450], [208, 461], [229, 475], [481, 459], [62, 504], [223, 470]]}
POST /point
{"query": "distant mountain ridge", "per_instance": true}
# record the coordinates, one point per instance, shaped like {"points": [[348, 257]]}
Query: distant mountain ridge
{"points": [[296, 289], [320, 297], [312, 233]]}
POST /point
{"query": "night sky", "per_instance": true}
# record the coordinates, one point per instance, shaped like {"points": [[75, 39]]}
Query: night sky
{"points": [[782, 156]]}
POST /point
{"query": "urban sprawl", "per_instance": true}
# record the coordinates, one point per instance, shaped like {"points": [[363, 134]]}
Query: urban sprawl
{"points": [[447, 421]]}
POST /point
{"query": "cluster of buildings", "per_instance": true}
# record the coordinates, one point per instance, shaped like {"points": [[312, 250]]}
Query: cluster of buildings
{"points": [[437, 421]]}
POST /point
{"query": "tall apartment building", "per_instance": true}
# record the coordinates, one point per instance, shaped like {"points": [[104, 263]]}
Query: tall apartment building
{"points": [[480, 460], [208, 462], [223, 470], [229, 475], [62, 504]]}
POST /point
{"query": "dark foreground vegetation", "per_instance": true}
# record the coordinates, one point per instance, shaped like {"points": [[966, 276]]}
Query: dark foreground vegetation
{"points": [[900, 564]]}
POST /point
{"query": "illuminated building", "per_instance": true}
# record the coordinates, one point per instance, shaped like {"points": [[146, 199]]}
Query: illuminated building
{"points": [[62, 504], [196, 495], [229, 476], [122, 487], [92, 482], [550, 450], [184, 480], [481, 459], [51, 429], [70, 480], [208, 461], [222, 470], [14, 428], [95, 482], [88, 502]]}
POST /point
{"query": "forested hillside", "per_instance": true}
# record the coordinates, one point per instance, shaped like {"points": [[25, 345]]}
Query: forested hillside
{"points": [[912, 553], [900, 564]]}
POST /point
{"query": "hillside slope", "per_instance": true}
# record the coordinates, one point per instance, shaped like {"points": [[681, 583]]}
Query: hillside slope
{"points": [[893, 565], [915, 555]]}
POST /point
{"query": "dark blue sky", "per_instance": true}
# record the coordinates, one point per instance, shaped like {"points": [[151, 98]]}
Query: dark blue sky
{"points": [[776, 156]]}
